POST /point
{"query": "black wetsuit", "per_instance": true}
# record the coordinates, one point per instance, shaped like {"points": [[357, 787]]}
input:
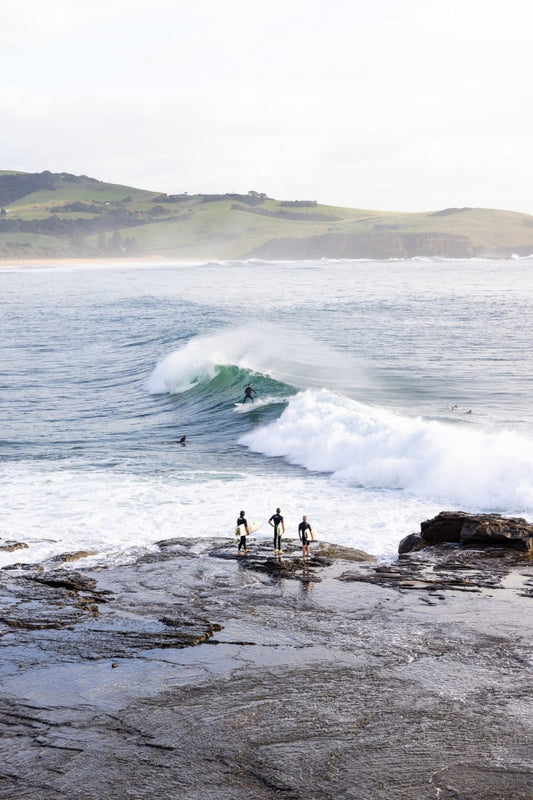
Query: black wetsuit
{"points": [[304, 532], [249, 394], [277, 519], [242, 540]]}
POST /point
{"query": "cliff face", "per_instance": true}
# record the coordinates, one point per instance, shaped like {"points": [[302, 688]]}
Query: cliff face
{"points": [[367, 245]]}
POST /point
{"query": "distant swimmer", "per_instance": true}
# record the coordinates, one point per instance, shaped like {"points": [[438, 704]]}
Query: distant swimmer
{"points": [[276, 520], [456, 408], [305, 534], [249, 394], [179, 441]]}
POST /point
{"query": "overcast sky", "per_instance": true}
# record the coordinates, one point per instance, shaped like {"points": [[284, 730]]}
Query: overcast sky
{"points": [[385, 104]]}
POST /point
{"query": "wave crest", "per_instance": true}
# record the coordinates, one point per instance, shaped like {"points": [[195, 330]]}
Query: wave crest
{"points": [[269, 350]]}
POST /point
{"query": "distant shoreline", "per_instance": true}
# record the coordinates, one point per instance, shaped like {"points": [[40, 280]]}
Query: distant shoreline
{"points": [[168, 261], [165, 261], [89, 262]]}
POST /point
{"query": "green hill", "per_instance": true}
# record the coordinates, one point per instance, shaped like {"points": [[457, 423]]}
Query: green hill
{"points": [[58, 215]]}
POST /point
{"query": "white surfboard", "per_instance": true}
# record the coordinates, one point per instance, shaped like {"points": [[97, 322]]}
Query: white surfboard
{"points": [[252, 526]]}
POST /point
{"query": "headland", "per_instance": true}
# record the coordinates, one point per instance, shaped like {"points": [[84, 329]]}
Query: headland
{"points": [[54, 216]]}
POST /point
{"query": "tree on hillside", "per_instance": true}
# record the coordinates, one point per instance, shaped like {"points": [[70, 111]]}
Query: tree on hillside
{"points": [[102, 243], [15, 186], [115, 244], [78, 243]]}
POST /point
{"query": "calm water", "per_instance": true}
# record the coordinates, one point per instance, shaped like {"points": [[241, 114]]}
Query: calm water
{"points": [[365, 373]]}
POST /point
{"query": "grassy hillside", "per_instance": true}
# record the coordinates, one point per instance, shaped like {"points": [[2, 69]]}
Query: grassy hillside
{"points": [[51, 215]]}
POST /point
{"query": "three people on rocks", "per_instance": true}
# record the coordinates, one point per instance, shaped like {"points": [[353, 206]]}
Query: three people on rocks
{"points": [[276, 521]]}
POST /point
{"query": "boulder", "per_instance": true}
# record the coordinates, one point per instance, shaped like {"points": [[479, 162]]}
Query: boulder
{"points": [[10, 547], [411, 543], [63, 558], [471, 530], [337, 551]]}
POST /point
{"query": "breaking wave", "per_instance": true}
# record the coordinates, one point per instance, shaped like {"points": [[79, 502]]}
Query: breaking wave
{"points": [[375, 448], [285, 355]]}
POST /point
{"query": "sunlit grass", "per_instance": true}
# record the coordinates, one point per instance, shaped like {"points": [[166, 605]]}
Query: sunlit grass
{"points": [[229, 228]]}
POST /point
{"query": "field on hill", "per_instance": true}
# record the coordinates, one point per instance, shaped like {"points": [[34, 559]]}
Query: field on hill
{"points": [[58, 215]]}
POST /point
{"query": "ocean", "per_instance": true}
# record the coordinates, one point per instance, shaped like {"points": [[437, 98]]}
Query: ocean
{"points": [[387, 392]]}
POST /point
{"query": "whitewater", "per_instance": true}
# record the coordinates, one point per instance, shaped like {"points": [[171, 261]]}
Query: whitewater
{"points": [[387, 392]]}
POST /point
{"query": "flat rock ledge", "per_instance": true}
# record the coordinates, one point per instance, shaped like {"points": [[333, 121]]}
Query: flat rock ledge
{"points": [[193, 673], [473, 531]]}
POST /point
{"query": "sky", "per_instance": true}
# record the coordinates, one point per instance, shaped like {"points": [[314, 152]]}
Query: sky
{"points": [[398, 105]]}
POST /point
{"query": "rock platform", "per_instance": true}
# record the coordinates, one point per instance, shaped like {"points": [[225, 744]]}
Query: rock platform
{"points": [[195, 674]]}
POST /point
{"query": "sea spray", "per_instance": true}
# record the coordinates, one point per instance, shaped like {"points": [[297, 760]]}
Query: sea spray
{"points": [[375, 448], [292, 358]]}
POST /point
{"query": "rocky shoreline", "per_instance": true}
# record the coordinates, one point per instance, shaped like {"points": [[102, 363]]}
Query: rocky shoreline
{"points": [[193, 674]]}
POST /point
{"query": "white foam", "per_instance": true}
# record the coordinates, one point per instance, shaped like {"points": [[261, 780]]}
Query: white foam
{"points": [[375, 448], [57, 509], [281, 353], [259, 402]]}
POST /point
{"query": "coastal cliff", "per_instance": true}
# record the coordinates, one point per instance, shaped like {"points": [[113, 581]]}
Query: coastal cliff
{"points": [[368, 245]]}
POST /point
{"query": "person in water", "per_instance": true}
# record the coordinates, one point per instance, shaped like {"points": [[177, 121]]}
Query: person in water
{"points": [[276, 520], [304, 533], [249, 394], [242, 525], [181, 441]]}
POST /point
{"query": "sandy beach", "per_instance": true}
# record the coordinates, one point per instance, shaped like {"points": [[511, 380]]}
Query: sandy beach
{"points": [[86, 262]]}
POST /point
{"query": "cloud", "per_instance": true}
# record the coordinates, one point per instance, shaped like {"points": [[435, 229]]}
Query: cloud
{"points": [[390, 105], [42, 21]]}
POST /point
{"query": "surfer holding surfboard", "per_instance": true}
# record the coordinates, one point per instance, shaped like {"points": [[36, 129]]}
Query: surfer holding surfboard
{"points": [[242, 530], [276, 520], [305, 534]]}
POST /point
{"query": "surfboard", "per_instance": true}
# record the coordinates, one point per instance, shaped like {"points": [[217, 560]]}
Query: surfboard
{"points": [[253, 527]]}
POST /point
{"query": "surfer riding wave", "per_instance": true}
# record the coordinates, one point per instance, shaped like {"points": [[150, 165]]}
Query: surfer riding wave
{"points": [[249, 393]]}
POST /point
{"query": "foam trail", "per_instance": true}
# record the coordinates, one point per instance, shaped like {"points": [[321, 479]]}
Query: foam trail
{"points": [[374, 448], [245, 408]]}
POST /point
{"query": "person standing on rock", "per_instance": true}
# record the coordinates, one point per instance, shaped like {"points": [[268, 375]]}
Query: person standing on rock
{"points": [[242, 530], [304, 534], [276, 520]]}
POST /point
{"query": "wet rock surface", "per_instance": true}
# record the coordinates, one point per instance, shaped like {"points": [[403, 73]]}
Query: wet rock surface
{"points": [[10, 547], [471, 530], [196, 674]]}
